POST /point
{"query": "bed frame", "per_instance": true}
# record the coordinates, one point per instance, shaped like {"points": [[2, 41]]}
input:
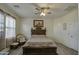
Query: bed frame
{"points": [[40, 51], [40, 48]]}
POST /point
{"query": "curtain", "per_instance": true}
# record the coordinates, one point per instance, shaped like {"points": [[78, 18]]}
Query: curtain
{"points": [[10, 27], [2, 32], [1, 25]]}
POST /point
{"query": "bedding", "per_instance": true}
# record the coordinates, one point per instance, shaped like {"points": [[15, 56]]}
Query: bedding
{"points": [[39, 43], [40, 40]]}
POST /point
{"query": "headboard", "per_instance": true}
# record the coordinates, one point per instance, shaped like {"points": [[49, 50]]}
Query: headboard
{"points": [[38, 31]]}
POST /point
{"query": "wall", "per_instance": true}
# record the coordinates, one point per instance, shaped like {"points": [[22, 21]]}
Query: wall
{"points": [[65, 29], [27, 24], [18, 26]]}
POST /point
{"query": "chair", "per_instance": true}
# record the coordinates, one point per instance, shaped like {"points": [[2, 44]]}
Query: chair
{"points": [[20, 40]]}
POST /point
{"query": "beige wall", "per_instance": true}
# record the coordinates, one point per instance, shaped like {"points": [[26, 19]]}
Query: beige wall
{"points": [[18, 21], [68, 35]]}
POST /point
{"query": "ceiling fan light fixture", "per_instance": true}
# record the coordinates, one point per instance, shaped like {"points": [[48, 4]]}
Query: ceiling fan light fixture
{"points": [[42, 14]]}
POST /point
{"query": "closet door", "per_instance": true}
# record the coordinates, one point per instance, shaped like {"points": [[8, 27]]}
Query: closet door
{"points": [[2, 34]]}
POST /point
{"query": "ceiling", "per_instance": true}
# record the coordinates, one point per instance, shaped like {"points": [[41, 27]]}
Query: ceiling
{"points": [[27, 10]]}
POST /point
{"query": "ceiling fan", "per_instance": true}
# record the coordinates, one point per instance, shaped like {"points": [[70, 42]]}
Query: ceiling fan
{"points": [[42, 9]]}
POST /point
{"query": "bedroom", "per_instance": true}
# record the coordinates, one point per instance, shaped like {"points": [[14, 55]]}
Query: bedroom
{"points": [[59, 22]]}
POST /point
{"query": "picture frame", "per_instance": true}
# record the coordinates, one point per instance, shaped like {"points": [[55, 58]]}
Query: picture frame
{"points": [[38, 23]]}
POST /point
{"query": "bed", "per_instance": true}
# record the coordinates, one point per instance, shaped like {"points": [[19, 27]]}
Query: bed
{"points": [[40, 45]]}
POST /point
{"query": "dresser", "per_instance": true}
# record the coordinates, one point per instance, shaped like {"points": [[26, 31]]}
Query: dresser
{"points": [[38, 31]]}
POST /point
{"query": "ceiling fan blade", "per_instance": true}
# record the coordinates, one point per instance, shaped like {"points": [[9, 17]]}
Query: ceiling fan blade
{"points": [[37, 8], [37, 12], [49, 12]]}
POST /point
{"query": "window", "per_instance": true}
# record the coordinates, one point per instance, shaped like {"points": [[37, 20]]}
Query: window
{"points": [[7, 29], [7, 26], [1, 25], [10, 27]]}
